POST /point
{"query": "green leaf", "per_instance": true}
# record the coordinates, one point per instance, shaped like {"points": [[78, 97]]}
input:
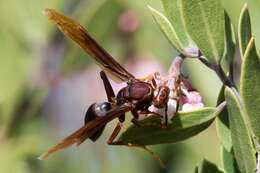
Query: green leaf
{"points": [[184, 125], [253, 6], [244, 29], [250, 82], [173, 12], [196, 170], [230, 40], [242, 143], [167, 28], [228, 161], [222, 124], [208, 167], [204, 20]]}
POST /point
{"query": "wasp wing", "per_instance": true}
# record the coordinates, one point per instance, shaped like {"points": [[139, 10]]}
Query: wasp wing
{"points": [[87, 130], [77, 33]]}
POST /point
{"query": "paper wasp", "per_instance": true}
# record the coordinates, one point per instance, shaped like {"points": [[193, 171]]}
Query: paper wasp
{"points": [[138, 95]]}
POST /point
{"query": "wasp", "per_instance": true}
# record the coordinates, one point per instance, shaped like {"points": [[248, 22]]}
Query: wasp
{"points": [[140, 96]]}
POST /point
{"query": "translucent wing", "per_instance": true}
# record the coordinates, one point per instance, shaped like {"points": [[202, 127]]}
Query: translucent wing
{"points": [[77, 33], [87, 130]]}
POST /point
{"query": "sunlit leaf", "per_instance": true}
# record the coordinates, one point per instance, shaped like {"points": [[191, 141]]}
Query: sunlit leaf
{"points": [[228, 161], [205, 24], [167, 28], [172, 10], [242, 143], [184, 125], [250, 82], [244, 29], [253, 6], [230, 40], [222, 124]]}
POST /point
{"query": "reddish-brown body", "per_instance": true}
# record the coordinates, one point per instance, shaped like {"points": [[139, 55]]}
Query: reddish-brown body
{"points": [[138, 93]]}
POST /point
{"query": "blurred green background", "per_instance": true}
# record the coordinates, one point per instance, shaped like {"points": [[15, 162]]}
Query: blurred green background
{"points": [[47, 83]]}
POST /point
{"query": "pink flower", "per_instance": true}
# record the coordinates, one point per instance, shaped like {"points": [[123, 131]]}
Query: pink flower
{"points": [[191, 100]]}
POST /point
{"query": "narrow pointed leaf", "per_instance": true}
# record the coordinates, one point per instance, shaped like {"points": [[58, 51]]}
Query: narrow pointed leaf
{"points": [[244, 29], [173, 12], [242, 143], [230, 40], [222, 124], [228, 161], [204, 20], [250, 91], [184, 125], [208, 167], [167, 28]]}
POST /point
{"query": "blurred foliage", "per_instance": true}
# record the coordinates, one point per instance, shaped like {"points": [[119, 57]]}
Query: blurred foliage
{"points": [[35, 58]]}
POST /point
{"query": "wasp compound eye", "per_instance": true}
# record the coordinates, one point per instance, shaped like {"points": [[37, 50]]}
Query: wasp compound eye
{"points": [[102, 108], [105, 106]]}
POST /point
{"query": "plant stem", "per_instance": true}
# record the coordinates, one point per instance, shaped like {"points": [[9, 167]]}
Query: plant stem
{"points": [[226, 80], [196, 53], [231, 71], [219, 71]]}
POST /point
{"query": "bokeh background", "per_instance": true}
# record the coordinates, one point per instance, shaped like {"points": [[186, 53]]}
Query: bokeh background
{"points": [[47, 83]]}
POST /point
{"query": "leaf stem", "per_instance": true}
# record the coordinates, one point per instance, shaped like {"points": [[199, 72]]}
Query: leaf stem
{"points": [[215, 67], [231, 71], [226, 80], [219, 71]]}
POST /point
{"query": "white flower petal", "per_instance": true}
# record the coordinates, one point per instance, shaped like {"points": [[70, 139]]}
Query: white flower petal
{"points": [[191, 107], [172, 104]]}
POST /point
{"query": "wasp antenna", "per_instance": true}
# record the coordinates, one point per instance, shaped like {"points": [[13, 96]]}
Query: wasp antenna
{"points": [[48, 12], [154, 155], [43, 156]]}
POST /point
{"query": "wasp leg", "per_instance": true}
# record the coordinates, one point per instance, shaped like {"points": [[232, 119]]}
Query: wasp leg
{"points": [[150, 78], [166, 115], [154, 155], [146, 113], [114, 134], [138, 114], [178, 91], [111, 98], [109, 90], [135, 119], [136, 122], [147, 78]]}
